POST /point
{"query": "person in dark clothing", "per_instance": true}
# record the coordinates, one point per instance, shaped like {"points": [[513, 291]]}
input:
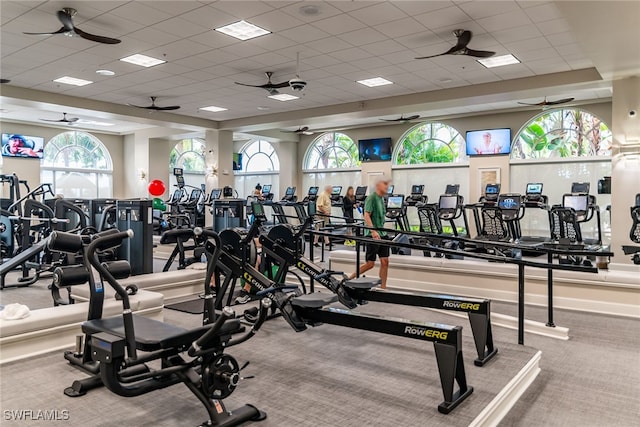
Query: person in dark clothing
{"points": [[348, 205]]}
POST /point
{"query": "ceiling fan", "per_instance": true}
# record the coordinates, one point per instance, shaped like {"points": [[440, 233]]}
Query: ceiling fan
{"points": [[402, 118], [303, 130], [155, 107], [65, 16], [64, 119], [296, 83], [546, 103], [464, 37]]}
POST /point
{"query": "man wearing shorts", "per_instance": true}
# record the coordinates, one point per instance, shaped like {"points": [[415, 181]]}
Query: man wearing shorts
{"points": [[374, 217]]}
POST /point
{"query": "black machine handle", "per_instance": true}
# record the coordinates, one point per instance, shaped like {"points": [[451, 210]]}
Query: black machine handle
{"points": [[196, 347], [265, 304]]}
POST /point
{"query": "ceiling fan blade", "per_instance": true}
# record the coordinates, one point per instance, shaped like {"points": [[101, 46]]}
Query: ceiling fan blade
{"points": [[169, 108], [414, 117], [3, 81], [94, 38], [51, 120], [463, 40], [391, 120], [539, 104], [248, 85], [560, 101], [479, 53], [433, 56], [277, 85], [72, 120], [60, 31]]}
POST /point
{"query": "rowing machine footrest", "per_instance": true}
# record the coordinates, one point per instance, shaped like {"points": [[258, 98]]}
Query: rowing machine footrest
{"points": [[316, 300], [363, 282]]}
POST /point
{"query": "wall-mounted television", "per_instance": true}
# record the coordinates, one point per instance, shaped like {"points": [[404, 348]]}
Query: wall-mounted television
{"points": [[237, 161], [488, 142], [375, 150], [25, 146]]}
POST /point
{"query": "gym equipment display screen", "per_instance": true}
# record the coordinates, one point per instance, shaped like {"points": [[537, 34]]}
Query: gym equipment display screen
{"points": [[311, 209], [180, 180], [237, 161], [390, 189], [580, 187], [375, 150], [178, 172], [452, 189], [215, 194], [510, 203], [448, 202], [290, 191], [266, 189], [336, 190], [492, 189], [257, 209], [578, 203], [417, 189], [313, 191], [394, 202], [16, 145], [361, 191], [535, 188], [488, 142]]}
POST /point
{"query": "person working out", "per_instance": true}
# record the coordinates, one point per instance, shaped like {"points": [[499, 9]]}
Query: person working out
{"points": [[323, 207], [374, 217], [348, 204]]}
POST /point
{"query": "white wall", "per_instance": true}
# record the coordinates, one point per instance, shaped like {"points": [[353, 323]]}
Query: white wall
{"points": [[30, 169]]}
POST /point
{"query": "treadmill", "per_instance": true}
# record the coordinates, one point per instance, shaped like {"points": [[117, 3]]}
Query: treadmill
{"points": [[534, 199]]}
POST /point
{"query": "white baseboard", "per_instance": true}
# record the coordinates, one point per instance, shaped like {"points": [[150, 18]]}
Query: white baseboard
{"points": [[500, 406]]}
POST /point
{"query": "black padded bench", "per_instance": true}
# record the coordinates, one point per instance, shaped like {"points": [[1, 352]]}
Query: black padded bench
{"points": [[153, 335]]}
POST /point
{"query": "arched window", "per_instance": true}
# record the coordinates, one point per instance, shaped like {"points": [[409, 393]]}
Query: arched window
{"points": [[333, 150], [259, 156], [188, 154], [78, 165], [432, 142], [570, 132]]}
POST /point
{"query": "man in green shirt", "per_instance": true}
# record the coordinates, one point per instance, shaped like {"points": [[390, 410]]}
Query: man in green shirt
{"points": [[374, 217]]}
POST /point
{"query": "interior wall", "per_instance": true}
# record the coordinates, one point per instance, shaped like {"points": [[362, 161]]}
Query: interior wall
{"points": [[29, 169]]}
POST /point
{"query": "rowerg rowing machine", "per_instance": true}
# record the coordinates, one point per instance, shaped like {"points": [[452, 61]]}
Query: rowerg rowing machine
{"points": [[280, 246]]}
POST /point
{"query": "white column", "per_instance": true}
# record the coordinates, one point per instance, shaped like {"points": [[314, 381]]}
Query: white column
{"points": [[625, 167], [219, 159]]}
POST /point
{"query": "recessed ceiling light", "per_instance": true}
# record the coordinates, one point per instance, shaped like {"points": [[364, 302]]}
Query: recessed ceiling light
{"points": [[95, 123], [498, 61], [73, 81], [143, 60], [283, 97], [376, 81], [213, 109], [105, 72], [243, 30]]}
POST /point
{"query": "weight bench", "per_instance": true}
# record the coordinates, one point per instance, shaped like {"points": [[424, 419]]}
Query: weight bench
{"points": [[447, 340], [479, 310]]}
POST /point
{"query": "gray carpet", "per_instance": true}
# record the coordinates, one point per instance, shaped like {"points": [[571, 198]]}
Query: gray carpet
{"points": [[325, 376]]}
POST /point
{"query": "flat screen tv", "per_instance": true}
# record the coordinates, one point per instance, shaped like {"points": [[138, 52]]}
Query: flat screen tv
{"points": [[375, 150], [17, 145], [488, 142], [237, 161]]}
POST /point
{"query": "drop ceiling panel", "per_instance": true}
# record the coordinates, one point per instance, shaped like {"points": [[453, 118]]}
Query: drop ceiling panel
{"points": [[242, 9], [378, 14], [339, 24]]}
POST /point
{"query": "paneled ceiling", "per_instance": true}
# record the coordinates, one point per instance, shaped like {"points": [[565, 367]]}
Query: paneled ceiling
{"points": [[344, 42]]}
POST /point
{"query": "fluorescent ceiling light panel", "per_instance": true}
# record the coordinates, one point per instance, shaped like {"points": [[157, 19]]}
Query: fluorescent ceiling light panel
{"points": [[243, 30], [499, 61], [376, 81], [73, 81], [283, 97], [143, 60], [213, 109]]}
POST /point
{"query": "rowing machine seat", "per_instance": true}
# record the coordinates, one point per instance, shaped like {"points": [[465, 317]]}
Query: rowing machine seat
{"points": [[316, 300], [363, 282], [152, 335]]}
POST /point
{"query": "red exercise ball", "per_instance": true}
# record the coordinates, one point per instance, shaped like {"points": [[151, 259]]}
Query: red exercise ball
{"points": [[156, 188]]}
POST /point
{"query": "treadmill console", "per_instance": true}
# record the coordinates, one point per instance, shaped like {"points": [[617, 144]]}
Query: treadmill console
{"points": [[509, 205], [447, 206], [390, 189], [180, 180], [533, 197], [452, 189], [266, 189], [577, 202], [416, 195], [335, 193], [290, 195], [361, 193], [215, 194], [491, 192], [580, 188]]}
